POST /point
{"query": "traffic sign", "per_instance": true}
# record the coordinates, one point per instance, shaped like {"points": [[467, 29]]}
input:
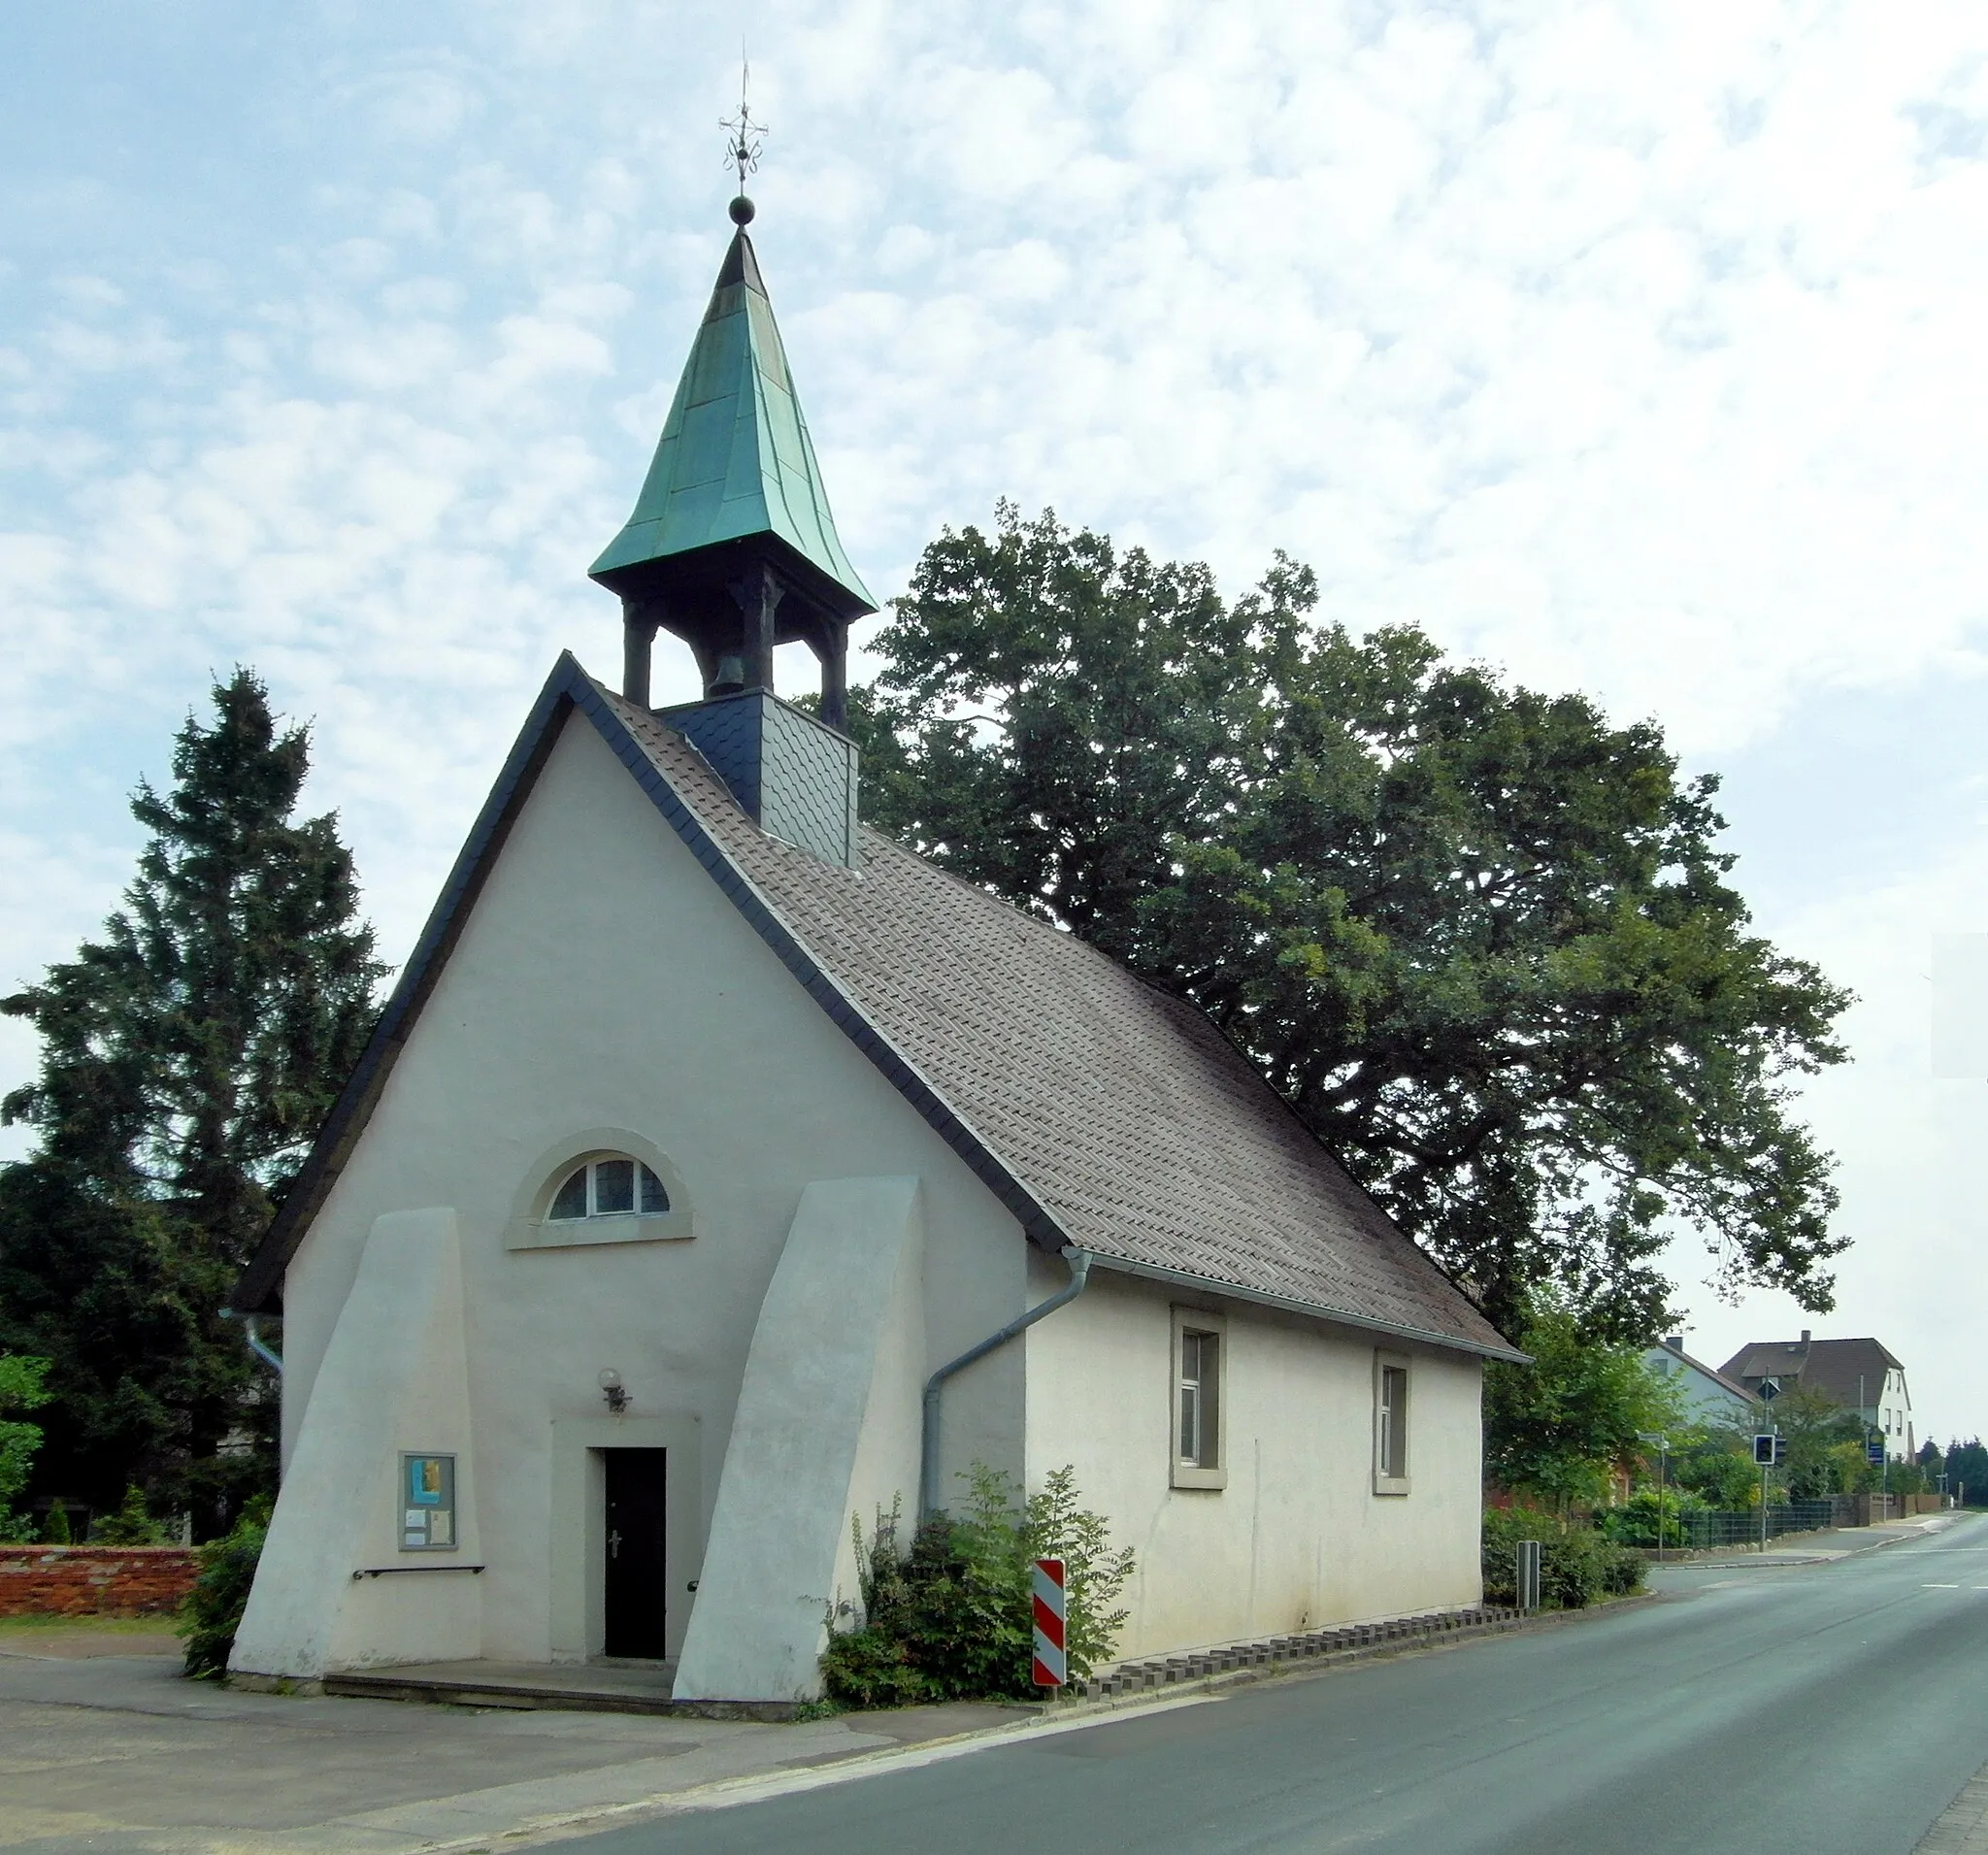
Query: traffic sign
{"points": [[1874, 1452], [1051, 1662], [1769, 1390]]}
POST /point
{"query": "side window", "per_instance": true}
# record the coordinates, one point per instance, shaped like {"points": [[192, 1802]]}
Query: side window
{"points": [[1200, 1364], [1390, 1423]]}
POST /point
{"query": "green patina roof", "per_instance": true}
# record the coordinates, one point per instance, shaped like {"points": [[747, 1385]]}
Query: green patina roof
{"points": [[735, 458]]}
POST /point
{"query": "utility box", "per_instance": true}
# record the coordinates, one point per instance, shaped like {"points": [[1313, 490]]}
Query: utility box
{"points": [[1529, 1557]]}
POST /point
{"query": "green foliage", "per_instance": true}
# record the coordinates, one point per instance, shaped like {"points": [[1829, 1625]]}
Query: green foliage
{"points": [[951, 1620], [131, 1525], [1900, 1476], [1480, 938], [212, 1610], [1636, 1522], [869, 1666], [1720, 1472], [55, 1529], [1967, 1470], [1557, 1427], [20, 1389], [1816, 1429], [1577, 1565], [187, 1057]]}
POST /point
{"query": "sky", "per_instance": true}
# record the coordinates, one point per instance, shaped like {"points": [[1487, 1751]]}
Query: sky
{"points": [[1628, 348]]}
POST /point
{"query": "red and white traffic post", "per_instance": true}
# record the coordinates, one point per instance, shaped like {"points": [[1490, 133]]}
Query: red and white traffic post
{"points": [[1052, 1664]]}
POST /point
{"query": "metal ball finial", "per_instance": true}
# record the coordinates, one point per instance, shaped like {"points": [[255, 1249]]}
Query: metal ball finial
{"points": [[741, 211]]}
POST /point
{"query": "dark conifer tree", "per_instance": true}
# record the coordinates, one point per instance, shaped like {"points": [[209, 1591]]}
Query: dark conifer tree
{"points": [[187, 1058]]}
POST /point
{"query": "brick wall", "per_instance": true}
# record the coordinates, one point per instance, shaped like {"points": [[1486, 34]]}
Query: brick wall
{"points": [[86, 1581]]}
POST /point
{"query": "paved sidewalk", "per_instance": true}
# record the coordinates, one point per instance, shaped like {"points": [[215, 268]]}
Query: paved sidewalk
{"points": [[103, 1749], [1963, 1828]]}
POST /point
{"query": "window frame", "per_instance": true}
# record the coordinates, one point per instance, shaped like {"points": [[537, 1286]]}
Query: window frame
{"points": [[1200, 1473], [1390, 1422], [592, 1166]]}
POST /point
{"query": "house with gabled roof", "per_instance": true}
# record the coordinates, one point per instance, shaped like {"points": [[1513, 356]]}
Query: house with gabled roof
{"points": [[1705, 1395], [1863, 1376], [720, 1170]]}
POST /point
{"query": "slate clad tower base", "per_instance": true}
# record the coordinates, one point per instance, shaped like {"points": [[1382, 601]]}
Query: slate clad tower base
{"points": [[793, 777], [731, 544]]}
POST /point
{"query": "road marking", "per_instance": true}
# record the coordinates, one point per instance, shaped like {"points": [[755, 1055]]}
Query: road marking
{"points": [[1940, 1587]]}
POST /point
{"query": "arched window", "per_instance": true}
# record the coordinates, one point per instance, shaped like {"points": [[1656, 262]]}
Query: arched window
{"points": [[614, 1185], [600, 1186]]}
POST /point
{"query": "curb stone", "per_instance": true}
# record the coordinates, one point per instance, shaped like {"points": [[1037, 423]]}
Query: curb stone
{"points": [[1240, 1663]]}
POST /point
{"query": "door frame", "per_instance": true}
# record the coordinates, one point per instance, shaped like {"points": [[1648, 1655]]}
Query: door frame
{"points": [[578, 1558]]}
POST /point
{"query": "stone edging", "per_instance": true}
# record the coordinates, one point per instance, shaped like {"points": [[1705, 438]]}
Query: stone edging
{"points": [[1239, 1662]]}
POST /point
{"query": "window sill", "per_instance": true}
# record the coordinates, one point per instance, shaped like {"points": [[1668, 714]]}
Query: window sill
{"points": [[578, 1233], [1390, 1484], [1187, 1475]]}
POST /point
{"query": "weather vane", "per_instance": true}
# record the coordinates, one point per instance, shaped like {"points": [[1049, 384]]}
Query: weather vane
{"points": [[741, 148]]}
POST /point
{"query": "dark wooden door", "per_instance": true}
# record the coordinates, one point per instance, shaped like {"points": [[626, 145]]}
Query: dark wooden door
{"points": [[635, 1572]]}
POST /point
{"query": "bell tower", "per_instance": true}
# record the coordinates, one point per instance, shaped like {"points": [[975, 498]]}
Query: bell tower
{"points": [[732, 548]]}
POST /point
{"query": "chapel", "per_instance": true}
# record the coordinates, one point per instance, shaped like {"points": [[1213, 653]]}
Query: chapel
{"points": [[722, 1174]]}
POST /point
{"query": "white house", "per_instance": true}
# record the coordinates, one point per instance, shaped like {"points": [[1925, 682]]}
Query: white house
{"points": [[1862, 1375], [1706, 1395], [706, 1131]]}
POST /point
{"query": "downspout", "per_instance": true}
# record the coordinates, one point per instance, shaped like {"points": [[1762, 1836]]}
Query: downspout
{"points": [[273, 1360], [928, 1455]]}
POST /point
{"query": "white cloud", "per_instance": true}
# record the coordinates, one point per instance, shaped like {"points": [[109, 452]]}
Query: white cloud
{"points": [[1637, 349]]}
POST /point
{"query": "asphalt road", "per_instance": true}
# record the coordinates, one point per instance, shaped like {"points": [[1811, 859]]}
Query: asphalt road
{"points": [[1832, 1709]]}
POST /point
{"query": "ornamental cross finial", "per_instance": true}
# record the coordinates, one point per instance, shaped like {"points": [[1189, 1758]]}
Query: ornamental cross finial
{"points": [[747, 136]]}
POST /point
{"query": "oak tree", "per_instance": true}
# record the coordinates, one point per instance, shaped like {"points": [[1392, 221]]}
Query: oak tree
{"points": [[1482, 939]]}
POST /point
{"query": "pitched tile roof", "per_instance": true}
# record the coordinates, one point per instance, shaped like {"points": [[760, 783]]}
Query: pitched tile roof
{"points": [[1832, 1367], [1127, 1115], [1108, 1114]]}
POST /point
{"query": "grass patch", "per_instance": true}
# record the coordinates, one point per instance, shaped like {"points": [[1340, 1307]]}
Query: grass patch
{"points": [[96, 1625]]}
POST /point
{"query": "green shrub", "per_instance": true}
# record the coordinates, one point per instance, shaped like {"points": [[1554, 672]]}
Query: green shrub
{"points": [[1577, 1565], [55, 1529], [950, 1619], [1721, 1475], [131, 1525], [212, 1610], [869, 1667], [20, 1389], [1634, 1523]]}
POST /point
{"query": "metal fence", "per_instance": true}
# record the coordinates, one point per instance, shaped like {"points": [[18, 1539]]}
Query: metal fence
{"points": [[1698, 1531]]}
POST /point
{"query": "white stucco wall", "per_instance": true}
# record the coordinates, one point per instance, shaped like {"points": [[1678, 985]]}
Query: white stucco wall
{"points": [[603, 981], [1298, 1537], [395, 1379], [831, 1388]]}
